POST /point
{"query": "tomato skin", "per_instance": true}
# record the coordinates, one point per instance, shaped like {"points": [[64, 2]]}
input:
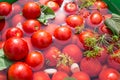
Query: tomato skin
{"points": [[80, 76], [31, 10], [59, 76], [35, 59], [74, 20], [41, 76], [70, 7], [41, 39], [100, 4], [59, 1], [53, 5], [109, 74], [15, 48], [14, 32], [2, 24], [20, 71], [96, 18], [5, 8], [62, 33], [31, 25]]}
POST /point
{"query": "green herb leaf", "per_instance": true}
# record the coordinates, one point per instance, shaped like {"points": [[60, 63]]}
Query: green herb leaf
{"points": [[46, 14], [4, 62], [9, 1], [113, 24]]}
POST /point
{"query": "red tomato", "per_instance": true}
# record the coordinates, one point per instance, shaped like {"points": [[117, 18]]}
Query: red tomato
{"points": [[62, 33], [109, 74], [53, 5], [74, 20], [2, 24], [35, 59], [15, 48], [17, 19], [59, 76], [59, 1], [103, 29], [5, 8], [80, 76], [41, 76], [84, 35], [14, 32], [41, 39], [70, 7], [31, 25], [31, 10], [96, 18], [100, 4], [20, 71]]}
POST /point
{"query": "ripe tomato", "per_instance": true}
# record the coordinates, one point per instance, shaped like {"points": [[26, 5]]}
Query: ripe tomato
{"points": [[59, 76], [96, 18], [31, 10], [2, 24], [17, 19], [41, 39], [74, 20], [100, 4], [62, 33], [84, 35], [15, 48], [31, 25], [40, 75], [70, 7], [5, 8], [103, 29], [59, 1], [14, 32], [20, 71], [35, 59], [109, 74], [80, 76], [53, 5]]}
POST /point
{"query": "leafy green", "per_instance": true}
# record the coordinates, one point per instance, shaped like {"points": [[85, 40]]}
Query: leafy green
{"points": [[46, 14], [4, 62], [113, 24], [9, 1]]}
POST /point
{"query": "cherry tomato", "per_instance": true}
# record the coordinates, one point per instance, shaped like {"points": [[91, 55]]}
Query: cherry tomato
{"points": [[100, 4], [35, 59], [41, 39], [62, 33], [15, 48], [2, 24], [109, 74], [74, 20], [31, 10], [20, 71], [70, 7], [53, 5], [5, 8], [59, 76], [96, 18], [14, 32], [31, 25], [40, 75], [103, 29]]}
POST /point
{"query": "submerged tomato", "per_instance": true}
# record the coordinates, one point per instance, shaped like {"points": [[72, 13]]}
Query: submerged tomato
{"points": [[74, 20], [41, 39], [20, 71], [5, 8], [35, 59], [96, 18], [15, 48], [31, 10], [31, 25], [62, 33]]}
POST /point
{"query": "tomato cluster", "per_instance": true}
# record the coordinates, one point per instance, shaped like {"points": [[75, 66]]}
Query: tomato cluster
{"points": [[57, 40]]}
